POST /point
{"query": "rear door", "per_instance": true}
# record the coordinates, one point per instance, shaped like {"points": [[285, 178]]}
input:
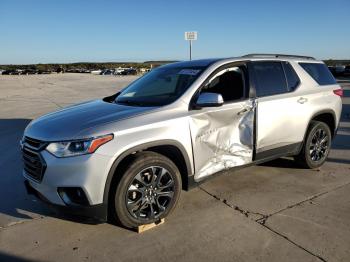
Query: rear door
{"points": [[278, 109], [222, 137]]}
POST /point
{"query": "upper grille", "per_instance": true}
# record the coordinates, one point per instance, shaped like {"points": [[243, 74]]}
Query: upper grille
{"points": [[34, 164], [34, 143]]}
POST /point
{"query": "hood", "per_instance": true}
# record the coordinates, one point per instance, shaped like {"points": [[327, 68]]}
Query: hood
{"points": [[65, 124]]}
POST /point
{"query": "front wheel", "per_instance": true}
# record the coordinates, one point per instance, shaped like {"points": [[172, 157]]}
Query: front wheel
{"points": [[148, 190], [316, 146]]}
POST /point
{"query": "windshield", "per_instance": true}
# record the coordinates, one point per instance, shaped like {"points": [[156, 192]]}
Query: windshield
{"points": [[159, 87]]}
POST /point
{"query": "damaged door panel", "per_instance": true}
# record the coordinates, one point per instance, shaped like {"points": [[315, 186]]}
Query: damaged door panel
{"points": [[222, 137]]}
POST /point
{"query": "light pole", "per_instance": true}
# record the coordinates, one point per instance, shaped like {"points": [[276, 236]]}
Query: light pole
{"points": [[190, 50], [191, 36]]}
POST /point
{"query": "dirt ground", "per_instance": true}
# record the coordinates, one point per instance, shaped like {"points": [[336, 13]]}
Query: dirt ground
{"points": [[270, 212]]}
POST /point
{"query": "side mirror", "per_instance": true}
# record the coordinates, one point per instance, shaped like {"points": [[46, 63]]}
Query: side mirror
{"points": [[209, 100]]}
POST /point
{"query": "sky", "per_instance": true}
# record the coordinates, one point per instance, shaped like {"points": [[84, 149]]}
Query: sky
{"points": [[64, 31]]}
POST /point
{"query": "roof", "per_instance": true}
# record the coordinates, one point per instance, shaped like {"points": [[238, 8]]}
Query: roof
{"points": [[194, 63], [208, 62], [278, 56]]}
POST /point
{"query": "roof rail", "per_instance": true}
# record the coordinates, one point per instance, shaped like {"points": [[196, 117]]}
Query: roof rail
{"points": [[279, 56]]}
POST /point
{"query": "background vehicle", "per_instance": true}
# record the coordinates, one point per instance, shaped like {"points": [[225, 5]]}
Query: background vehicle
{"points": [[332, 69], [119, 70], [43, 72], [10, 72], [96, 72], [129, 155], [129, 71], [339, 70], [107, 72], [28, 72], [347, 70]]}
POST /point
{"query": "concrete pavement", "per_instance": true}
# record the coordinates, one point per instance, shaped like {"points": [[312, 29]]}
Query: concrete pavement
{"points": [[270, 212]]}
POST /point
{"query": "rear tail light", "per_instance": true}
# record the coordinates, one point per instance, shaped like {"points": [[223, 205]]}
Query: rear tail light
{"points": [[338, 92]]}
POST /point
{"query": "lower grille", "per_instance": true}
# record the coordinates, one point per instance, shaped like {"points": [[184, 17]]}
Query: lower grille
{"points": [[34, 164]]}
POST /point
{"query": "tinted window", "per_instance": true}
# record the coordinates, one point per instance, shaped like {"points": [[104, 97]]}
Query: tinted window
{"points": [[270, 78], [319, 72], [292, 77], [229, 83]]}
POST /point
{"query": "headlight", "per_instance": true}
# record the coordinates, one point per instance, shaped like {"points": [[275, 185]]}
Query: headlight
{"points": [[78, 147]]}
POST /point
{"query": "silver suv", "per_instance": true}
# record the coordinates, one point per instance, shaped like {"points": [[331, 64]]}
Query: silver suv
{"points": [[127, 156]]}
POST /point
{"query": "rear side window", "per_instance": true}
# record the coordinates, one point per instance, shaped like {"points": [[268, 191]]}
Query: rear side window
{"points": [[319, 72], [292, 77], [270, 78]]}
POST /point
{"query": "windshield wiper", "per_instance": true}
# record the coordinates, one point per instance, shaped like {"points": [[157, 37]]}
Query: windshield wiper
{"points": [[130, 103]]}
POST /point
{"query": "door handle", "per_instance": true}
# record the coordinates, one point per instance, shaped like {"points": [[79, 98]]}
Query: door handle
{"points": [[244, 110], [302, 100]]}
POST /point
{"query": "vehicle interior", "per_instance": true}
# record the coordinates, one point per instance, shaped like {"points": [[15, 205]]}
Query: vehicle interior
{"points": [[230, 83]]}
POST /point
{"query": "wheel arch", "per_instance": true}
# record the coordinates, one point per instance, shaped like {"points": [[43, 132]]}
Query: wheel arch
{"points": [[169, 148], [328, 117]]}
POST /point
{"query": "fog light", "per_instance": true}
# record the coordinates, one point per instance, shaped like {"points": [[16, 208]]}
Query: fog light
{"points": [[73, 196]]}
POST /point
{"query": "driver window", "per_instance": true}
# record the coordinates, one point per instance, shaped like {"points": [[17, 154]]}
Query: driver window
{"points": [[228, 82]]}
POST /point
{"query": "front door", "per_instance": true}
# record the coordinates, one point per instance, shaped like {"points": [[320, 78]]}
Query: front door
{"points": [[222, 137]]}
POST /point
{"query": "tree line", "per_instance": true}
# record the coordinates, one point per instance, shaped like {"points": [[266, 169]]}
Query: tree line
{"points": [[84, 65], [108, 65]]}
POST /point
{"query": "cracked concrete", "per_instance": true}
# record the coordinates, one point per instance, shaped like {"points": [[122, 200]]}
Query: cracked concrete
{"points": [[323, 221], [246, 213], [262, 220], [265, 217], [270, 212]]}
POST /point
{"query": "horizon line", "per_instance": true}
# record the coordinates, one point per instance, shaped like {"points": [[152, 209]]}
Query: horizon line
{"points": [[132, 62]]}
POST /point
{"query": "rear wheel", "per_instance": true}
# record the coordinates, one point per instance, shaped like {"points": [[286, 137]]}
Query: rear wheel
{"points": [[148, 191], [316, 146]]}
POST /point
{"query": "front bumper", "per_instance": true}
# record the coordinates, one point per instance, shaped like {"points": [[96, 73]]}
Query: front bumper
{"points": [[73, 185], [88, 172], [96, 212]]}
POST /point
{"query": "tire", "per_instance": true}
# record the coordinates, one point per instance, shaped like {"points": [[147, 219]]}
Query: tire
{"points": [[148, 190], [313, 155]]}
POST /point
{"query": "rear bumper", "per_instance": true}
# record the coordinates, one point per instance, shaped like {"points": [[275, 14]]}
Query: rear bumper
{"points": [[96, 212]]}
